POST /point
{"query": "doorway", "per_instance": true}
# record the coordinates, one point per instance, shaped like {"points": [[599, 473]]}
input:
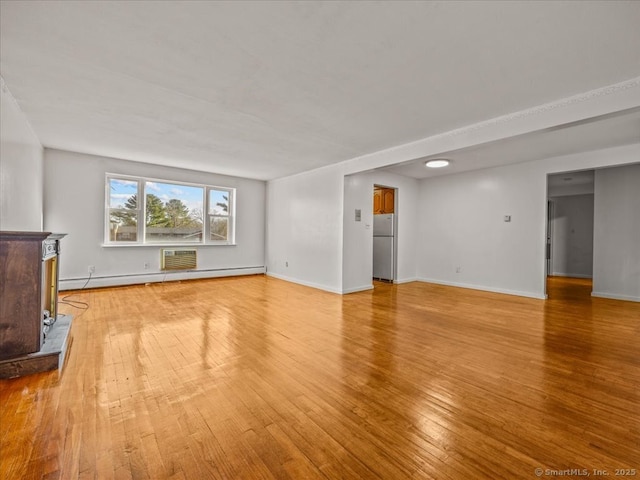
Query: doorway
{"points": [[549, 249], [385, 243], [570, 226]]}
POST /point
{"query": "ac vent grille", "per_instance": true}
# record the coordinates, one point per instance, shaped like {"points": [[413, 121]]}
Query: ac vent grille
{"points": [[178, 259]]}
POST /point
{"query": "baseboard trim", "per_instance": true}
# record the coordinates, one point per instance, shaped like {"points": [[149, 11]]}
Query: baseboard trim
{"points": [[406, 280], [362, 288], [305, 283], [156, 277], [615, 296], [517, 293]]}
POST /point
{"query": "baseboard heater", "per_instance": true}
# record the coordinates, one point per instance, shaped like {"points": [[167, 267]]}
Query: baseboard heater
{"points": [[178, 259]]}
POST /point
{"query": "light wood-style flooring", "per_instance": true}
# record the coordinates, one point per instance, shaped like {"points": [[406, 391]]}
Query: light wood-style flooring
{"points": [[254, 377]]}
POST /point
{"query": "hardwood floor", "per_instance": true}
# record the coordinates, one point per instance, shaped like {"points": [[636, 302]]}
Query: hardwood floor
{"points": [[254, 377]]}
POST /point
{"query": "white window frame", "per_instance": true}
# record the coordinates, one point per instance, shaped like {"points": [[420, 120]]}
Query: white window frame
{"points": [[230, 214], [141, 197]]}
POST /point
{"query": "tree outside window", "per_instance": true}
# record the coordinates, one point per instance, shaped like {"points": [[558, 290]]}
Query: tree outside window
{"points": [[173, 212], [219, 215]]}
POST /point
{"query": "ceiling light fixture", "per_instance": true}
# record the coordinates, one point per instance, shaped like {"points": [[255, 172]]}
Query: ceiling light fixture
{"points": [[437, 163]]}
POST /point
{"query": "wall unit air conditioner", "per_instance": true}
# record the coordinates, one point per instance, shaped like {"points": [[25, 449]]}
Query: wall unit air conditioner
{"points": [[178, 259]]}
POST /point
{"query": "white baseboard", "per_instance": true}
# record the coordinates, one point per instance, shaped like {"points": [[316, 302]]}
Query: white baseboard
{"points": [[305, 283], [169, 276], [615, 296], [357, 289], [406, 280], [518, 293]]}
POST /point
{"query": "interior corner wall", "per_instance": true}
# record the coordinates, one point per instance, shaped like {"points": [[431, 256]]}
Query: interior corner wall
{"points": [[74, 196], [572, 236], [304, 228], [616, 264], [461, 223], [358, 236], [21, 169]]}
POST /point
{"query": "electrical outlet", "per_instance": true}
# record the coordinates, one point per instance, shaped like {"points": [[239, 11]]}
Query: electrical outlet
{"points": [[458, 269], [286, 264], [146, 265], [92, 269]]}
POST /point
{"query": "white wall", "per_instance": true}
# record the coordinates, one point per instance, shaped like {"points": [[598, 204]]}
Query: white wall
{"points": [[565, 190], [462, 226], [461, 223], [21, 157], [616, 265], [572, 238], [357, 245], [74, 192], [304, 228], [357, 262]]}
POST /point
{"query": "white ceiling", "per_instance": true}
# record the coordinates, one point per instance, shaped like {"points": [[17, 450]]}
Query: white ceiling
{"points": [[267, 89], [622, 128]]}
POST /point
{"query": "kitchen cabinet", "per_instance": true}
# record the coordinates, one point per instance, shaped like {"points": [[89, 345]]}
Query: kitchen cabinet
{"points": [[383, 200]]}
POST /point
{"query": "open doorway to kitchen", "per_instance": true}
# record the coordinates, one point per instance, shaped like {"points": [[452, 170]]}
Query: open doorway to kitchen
{"points": [[384, 233]]}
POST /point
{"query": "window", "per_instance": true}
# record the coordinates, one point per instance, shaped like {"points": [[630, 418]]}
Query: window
{"points": [[123, 210], [174, 213], [218, 214]]}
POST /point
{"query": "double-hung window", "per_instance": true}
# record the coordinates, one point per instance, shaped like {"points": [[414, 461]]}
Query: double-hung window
{"points": [[148, 211]]}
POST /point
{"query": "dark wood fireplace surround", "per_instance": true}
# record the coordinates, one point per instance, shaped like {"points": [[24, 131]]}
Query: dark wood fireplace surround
{"points": [[34, 337]]}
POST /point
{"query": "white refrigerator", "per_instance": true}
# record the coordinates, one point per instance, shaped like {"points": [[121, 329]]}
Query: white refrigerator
{"points": [[383, 246]]}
